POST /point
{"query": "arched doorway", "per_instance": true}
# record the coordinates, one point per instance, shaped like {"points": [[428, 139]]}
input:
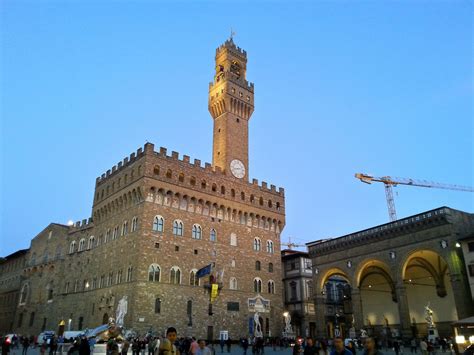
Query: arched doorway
{"points": [[378, 299], [426, 278], [336, 291], [105, 319]]}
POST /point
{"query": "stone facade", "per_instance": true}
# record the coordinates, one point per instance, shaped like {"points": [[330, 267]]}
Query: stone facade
{"points": [[395, 270], [467, 245], [157, 219], [298, 291], [11, 277]]}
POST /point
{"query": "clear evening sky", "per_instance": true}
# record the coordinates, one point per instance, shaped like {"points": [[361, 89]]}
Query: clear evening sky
{"points": [[381, 87]]}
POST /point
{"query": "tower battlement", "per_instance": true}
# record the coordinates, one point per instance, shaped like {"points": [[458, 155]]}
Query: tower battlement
{"points": [[230, 46]]}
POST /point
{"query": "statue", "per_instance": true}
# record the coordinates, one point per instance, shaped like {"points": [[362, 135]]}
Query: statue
{"points": [[121, 311], [429, 316], [258, 327], [288, 328]]}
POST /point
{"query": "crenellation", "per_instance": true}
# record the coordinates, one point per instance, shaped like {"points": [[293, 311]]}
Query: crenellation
{"points": [[186, 159], [163, 151], [132, 157], [125, 161], [197, 163], [114, 169], [264, 185], [208, 166], [255, 182], [108, 173], [149, 148], [174, 155], [119, 165], [139, 151]]}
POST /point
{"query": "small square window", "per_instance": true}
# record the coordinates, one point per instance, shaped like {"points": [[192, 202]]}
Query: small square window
{"points": [[176, 248], [157, 245], [195, 252]]}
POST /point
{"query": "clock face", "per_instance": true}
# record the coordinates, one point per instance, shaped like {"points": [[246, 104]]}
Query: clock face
{"points": [[237, 168]]}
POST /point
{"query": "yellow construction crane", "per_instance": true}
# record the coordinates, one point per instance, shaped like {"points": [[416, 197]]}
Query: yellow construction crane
{"points": [[394, 181]]}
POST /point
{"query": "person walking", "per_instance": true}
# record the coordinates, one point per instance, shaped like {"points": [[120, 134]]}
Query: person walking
{"points": [[125, 347], [413, 346], [310, 348], [424, 347], [25, 343], [229, 344]]}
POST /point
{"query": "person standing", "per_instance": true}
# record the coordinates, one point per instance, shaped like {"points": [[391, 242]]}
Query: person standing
{"points": [[125, 347], [26, 343], [167, 346], [229, 344], [339, 348], [413, 346], [423, 347], [193, 347], [202, 348], [310, 348], [370, 348]]}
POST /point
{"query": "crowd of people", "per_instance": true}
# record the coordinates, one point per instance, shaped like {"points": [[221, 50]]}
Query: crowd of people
{"points": [[172, 345]]}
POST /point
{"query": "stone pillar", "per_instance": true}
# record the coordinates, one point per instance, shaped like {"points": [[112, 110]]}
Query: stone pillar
{"points": [[460, 284], [403, 311], [320, 310], [357, 309]]}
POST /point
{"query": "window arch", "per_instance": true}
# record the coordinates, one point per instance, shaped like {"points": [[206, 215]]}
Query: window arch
{"points": [[181, 177], [134, 224], [260, 201], [154, 273], [156, 170], [175, 275], [107, 236], [197, 231], [242, 196], [271, 287], [257, 244], [193, 279], [82, 244], [232, 192], [223, 190], [214, 187], [270, 246], [125, 228], [192, 181], [178, 227], [257, 265], [157, 305], [72, 247], [24, 294], [213, 235], [115, 233], [158, 224], [233, 283], [233, 239], [257, 285], [129, 273], [203, 184], [270, 267], [90, 242], [169, 174]]}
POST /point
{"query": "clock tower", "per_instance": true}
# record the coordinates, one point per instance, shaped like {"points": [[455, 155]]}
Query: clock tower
{"points": [[231, 104]]}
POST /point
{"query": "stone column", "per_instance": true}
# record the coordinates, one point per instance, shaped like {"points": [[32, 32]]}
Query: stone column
{"points": [[460, 285], [320, 310], [403, 311], [357, 309]]}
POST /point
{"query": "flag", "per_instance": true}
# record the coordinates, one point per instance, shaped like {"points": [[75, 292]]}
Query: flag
{"points": [[214, 291], [206, 270]]}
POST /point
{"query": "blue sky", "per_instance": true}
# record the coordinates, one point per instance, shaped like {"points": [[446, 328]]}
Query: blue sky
{"points": [[383, 87]]}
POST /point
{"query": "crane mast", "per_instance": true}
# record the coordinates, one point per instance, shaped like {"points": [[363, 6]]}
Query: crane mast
{"points": [[389, 182]]}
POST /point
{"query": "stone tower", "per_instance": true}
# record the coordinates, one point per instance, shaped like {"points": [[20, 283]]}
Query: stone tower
{"points": [[231, 104]]}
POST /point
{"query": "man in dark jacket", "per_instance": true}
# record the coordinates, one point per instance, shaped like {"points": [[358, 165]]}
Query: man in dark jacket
{"points": [[339, 348], [370, 348]]}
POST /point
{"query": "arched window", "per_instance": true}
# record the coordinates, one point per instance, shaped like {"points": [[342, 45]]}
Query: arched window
{"points": [[107, 236], [257, 265], [233, 239], [23, 294], [270, 246], [203, 184], [99, 240], [90, 243], [233, 283], [271, 287], [157, 305], [257, 244], [270, 204], [232, 263], [156, 170], [125, 228], [178, 227], [270, 267], [158, 224], [260, 201], [257, 285], [154, 272], [214, 187], [72, 247], [223, 190], [115, 233], [193, 280], [192, 181], [242, 196], [134, 224], [213, 235], [181, 177], [169, 173], [129, 273], [175, 275], [197, 231], [82, 244], [232, 192]]}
